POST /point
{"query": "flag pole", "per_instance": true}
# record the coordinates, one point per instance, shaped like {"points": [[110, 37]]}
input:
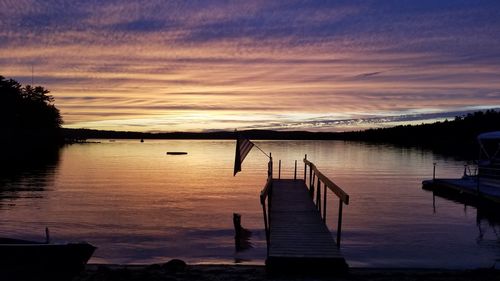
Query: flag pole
{"points": [[268, 156], [243, 147]]}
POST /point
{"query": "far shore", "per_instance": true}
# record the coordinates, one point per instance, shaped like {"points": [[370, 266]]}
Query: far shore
{"points": [[181, 271]]}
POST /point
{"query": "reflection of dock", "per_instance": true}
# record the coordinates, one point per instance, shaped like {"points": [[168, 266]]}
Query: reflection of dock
{"points": [[298, 238], [487, 215]]}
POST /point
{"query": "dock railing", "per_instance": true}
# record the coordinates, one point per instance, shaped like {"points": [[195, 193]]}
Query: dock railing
{"points": [[317, 182]]}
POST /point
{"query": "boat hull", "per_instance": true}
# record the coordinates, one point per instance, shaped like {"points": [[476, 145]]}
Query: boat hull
{"points": [[20, 261]]}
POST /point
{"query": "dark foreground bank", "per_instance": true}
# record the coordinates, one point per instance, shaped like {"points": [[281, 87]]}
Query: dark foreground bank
{"points": [[181, 271]]}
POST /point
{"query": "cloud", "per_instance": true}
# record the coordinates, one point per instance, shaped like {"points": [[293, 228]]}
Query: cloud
{"points": [[335, 124], [276, 62], [142, 25], [369, 74]]}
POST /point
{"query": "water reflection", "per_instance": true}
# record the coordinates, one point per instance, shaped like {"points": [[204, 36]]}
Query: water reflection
{"points": [[26, 174], [488, 222], [487, 214]]}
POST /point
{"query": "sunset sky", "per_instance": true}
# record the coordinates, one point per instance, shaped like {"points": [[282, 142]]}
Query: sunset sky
{"points": [[211, 65]]}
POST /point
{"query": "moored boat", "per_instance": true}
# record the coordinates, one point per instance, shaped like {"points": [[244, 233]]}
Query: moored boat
{"points": [[482, 182], [30, 260], [489, 158]]}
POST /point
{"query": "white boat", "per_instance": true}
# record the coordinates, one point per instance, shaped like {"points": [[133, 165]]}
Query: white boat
{"points": [[489, 158]]}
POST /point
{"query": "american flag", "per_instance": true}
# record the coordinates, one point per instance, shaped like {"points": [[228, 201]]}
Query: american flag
{"points": [[243, 147]]}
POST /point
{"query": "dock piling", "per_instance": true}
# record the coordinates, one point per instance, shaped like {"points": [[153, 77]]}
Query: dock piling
{"points": [[339, 224], [305, 168], [324, 205], [295, 171], [279, 170]]}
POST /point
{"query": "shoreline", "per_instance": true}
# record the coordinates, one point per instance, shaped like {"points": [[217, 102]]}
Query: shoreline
{"points": [[178, 270]]}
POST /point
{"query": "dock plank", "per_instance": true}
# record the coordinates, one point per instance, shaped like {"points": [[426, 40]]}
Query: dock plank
{"points": [[298, 235]]}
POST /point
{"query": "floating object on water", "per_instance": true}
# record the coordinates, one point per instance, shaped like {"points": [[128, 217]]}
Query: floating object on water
{"points": [[176, 153], [142, 140]]}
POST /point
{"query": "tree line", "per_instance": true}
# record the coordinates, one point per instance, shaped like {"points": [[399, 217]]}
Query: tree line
{"points": [[449, 136], [28, 116]]}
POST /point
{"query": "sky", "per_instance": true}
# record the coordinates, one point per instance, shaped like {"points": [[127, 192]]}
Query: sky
{"points": [[161, 66]]}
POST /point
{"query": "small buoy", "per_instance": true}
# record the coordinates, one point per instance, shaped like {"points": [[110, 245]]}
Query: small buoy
{"points": [[176, 153], [142, 140]]}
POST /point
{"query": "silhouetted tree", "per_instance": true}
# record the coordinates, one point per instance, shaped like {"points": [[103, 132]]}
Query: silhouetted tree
{"points": [[28, 115]]}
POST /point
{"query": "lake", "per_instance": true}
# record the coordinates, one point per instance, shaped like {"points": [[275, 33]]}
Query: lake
{"points": [[139, 205]]}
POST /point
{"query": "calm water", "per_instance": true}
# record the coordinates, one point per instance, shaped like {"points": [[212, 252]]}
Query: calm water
{"points": [[139, 205]]}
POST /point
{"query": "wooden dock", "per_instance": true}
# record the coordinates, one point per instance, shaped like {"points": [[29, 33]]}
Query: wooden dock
{"points": [[466, 187], [476, 188], [298, 238]]}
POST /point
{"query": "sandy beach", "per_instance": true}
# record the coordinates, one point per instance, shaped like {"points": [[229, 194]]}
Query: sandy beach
{"points": [[180, 271]]}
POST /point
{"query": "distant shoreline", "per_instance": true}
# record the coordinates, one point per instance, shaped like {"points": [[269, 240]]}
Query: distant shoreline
{"points": [[455, 137], [219, 135], [463, 129]]}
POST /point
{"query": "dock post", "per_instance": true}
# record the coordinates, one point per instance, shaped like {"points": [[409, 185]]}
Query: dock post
{"points": [[339, 225], [310, 177], [295, 171], [266, 224], [270, 166], [318, 196], [305, 168], [324, 205], [434, 171], [279, 170], [311, 189]]}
